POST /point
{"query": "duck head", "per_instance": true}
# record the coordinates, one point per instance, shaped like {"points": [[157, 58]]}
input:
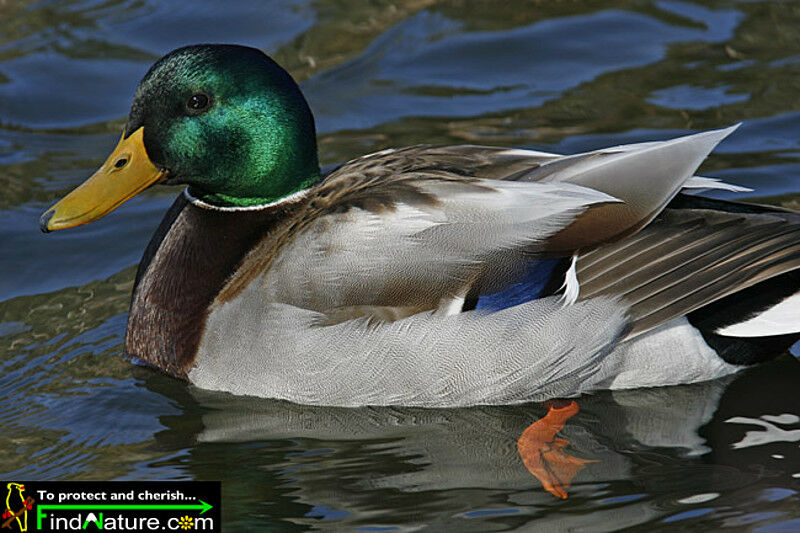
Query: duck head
{"points": [[224, 119]]}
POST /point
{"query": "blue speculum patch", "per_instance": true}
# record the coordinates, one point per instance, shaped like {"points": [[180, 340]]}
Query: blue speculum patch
{"points": [[531, 286]]}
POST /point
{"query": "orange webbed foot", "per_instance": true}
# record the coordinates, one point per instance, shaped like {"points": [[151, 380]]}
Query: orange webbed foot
{"points": [[543, 453]]}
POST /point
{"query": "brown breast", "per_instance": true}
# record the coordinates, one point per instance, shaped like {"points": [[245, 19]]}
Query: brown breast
{"points": [[184, 267]]}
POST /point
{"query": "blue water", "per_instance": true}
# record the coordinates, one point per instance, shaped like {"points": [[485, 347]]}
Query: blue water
{"points": [[558, 76]]}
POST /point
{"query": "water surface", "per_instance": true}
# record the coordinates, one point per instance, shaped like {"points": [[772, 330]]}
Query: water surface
{"points": [[557, 76]]}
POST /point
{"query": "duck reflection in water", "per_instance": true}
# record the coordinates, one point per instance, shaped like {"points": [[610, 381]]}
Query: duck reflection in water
{"points": [[659, 441]]}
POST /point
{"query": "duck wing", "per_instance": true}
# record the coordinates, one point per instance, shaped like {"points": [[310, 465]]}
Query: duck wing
{"points": [[389, 238], [645, 176], [423, 228], [697, 251]]}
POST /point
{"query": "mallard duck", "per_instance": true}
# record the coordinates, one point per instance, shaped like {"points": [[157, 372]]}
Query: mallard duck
{"points": [[427, 275]]}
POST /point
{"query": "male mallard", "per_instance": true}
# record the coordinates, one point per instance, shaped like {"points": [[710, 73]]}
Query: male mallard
{"points": [[427, 275]]}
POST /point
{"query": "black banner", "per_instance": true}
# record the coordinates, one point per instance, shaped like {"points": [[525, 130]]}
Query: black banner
{"points": [[110, 506]]}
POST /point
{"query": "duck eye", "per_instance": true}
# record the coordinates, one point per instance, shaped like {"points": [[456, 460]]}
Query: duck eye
{"points": [[198, 102]]}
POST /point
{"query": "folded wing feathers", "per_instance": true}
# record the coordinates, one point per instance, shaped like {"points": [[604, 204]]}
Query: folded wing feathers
{"points": [[415, 255], [410, 226], [607, 165], [645, 176], [688, 258], [702, 182], [505, 215]]}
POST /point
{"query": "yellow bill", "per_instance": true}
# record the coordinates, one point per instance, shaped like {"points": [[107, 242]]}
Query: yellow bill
{"points": [[127, 172]]}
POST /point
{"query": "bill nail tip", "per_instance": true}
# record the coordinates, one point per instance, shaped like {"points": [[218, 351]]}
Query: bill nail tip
{"points": [[44, 221]]}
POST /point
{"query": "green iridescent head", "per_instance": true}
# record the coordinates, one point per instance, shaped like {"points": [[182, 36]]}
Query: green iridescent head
{"points": [[228, 121], [224, 119]]}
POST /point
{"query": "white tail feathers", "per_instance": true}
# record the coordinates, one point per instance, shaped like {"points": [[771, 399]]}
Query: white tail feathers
{"points": [[780, 319]]}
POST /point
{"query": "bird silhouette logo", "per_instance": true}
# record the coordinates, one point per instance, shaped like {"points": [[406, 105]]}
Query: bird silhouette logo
{"points": [[15, 516]]}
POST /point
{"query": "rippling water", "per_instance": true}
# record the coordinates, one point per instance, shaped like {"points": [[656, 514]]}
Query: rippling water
{"points": [[559, 76]]}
